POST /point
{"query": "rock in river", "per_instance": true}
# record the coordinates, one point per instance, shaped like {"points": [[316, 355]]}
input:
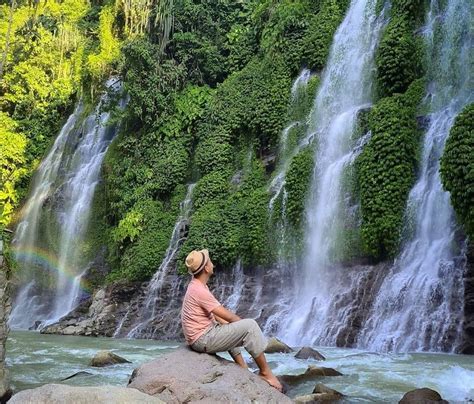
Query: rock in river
{"points": [[107, 358], [309, 353], [184, 376], [422, 396], [274, 345], [61, 393], [312, 373]]}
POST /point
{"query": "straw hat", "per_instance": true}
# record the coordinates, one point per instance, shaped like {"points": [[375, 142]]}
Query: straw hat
{"points": [[196, 261]]}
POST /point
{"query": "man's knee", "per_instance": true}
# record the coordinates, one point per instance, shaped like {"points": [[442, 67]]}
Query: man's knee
{"points": [[251, 324]]}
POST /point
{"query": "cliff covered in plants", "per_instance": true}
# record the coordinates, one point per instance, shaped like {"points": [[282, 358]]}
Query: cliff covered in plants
{"points": [[209, 93]]}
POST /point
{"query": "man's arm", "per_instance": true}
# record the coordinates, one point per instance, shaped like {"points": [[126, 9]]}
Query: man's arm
{"points": [[221, 313]]}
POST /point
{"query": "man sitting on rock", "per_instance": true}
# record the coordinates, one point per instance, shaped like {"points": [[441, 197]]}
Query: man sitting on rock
{"points": [[209, 327]]}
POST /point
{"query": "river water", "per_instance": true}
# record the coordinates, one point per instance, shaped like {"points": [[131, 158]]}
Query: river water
{"points": [[35, 359]]}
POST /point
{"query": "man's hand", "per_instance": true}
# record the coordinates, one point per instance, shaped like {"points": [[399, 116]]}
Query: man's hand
{"points": [[221, 313]]}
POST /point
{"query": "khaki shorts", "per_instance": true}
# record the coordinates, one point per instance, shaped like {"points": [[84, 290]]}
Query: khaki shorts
{"points": [[230, 337]]}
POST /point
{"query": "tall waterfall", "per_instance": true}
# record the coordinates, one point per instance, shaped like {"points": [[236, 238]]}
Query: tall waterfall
{"points": [[48, 240], [346, 88], [148, 312], [420, 303]]}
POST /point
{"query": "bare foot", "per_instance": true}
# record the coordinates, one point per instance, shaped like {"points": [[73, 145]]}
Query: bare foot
{"points": [[272, 381]]}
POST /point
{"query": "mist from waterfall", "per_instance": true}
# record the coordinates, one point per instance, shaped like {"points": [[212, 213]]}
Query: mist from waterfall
{"points": [[346, 89], [49, 239], [420, 303]]}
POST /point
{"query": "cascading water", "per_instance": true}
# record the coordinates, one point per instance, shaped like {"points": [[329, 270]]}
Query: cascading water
{"points": [[148, 312], [420, 303], [346, 88], [48, 241]]}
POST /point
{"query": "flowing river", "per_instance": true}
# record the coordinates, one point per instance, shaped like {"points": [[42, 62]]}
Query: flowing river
{"points": [[35, 359]]}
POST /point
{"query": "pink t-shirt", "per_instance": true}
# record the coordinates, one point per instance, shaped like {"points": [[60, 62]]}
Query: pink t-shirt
{"points": [[196, 313]]}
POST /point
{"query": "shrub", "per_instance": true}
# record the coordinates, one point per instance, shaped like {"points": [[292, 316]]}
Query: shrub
{"points": [[398, 58], [457, 168], [386, 171]]}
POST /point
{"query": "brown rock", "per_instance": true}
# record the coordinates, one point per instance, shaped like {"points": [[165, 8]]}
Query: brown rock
{"points": [[422, 396], [107, 358], [312, 373], [317, 398], [274, 345], [309, 353], [61, 393], [187, 376]]}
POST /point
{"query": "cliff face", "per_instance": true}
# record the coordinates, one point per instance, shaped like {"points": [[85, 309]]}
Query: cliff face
{"points": [[5, 307]]}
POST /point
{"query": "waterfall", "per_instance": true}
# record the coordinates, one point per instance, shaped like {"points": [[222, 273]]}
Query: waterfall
{"points": [[148, 311], [49, 238], [346, 88], [420, 303]]}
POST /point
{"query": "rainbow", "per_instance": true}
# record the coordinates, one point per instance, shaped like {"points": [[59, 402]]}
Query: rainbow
{"points": [[49, 261]]}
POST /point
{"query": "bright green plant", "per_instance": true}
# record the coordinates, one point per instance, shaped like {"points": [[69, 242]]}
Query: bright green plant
{"points": [[12, 160]]}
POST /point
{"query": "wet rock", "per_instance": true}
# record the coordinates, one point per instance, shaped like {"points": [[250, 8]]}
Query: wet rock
{"points": [[309, 353], [316, 398], [327, 393], [187, 376], [422, 396], [35, 325], [77, 374], [107, 358], [274, 345], [467, 346], [312, 373], [321, 393], [61, 393]]}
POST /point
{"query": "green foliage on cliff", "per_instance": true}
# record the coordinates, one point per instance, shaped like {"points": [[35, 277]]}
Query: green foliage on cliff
{"points": [[12, 160], [48, 51], [398, 58], [208, 101], [298, 180], [386, 170], [457, 168], [230, 217]]}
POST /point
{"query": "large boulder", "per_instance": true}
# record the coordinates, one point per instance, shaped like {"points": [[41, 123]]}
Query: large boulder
{"points": [[107, 358], [422, 396], [184, 376], [309, 353], [61, 393], [274, 345]]}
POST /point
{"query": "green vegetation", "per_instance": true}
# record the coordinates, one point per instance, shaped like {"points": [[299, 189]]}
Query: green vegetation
{"points": [[457, 168], [400, 53], [386, 170], [209, 86]]}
